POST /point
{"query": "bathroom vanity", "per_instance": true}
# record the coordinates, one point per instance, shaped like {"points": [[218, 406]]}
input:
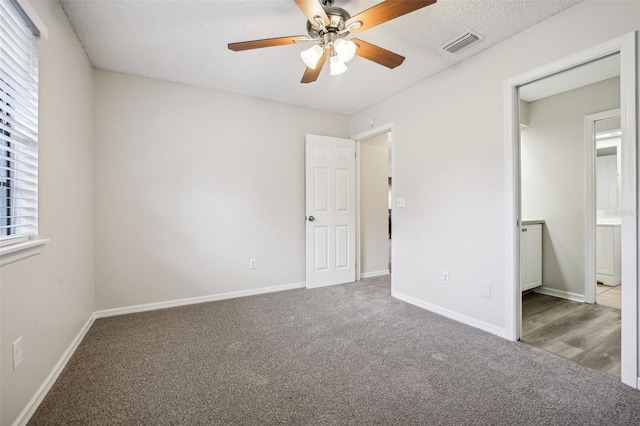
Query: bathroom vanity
{"points": [[608, 248]]}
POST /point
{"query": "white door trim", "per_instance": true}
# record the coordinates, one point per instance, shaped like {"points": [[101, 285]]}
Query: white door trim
{"points": [[626, 46], [590, 220], [386, 128]]}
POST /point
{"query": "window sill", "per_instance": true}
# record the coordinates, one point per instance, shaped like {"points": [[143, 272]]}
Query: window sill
{"points": [[15, 252]]}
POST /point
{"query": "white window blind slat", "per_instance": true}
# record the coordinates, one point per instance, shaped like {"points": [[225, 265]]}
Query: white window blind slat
{"points": [[14, 21], [21, 77], [17, 130], [7, 107], [18, 124], [18, 44], [27, 157], [7, 31], [23, 68], [31, 175], [24, 163], [28, 101]]}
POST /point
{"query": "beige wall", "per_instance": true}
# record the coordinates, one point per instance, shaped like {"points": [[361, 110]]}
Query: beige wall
{"points": [[374, 211], [553, 180], [450, 161], [47, 299], [191, 184]]}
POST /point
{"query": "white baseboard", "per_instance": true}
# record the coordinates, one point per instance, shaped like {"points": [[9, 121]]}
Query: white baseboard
{"points": [[193, 300], [24, 417], [374, 274], [451, 314], [560, 293]]}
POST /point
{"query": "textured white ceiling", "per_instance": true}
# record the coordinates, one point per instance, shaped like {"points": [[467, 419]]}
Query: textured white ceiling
{"points": [[574, 78], [186, 41]]}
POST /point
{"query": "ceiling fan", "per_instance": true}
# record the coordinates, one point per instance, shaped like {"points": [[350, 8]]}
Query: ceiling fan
{"points": [[329, 27]]}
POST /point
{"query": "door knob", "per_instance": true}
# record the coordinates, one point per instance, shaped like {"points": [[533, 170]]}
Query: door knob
{"points": [[311, 218], [524, 229]]}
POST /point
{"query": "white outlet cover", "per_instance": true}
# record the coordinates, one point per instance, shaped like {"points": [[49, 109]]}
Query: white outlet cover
{"points": [[445, 277], [400, 203]]}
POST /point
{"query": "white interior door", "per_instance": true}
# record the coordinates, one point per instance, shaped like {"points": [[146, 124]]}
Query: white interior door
{"points": [[330, 210]]}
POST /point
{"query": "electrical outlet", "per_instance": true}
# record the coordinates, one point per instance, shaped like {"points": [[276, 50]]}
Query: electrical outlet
{"points": [[400, 203], [485, 290], [445, 277], [18, 353], [252, 264]]}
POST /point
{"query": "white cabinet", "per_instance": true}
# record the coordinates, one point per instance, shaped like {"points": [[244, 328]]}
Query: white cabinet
{"points": [[530, 256], [608, 262]]}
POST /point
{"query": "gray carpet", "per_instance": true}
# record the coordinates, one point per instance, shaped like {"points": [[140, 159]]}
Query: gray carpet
{"points": [[348, 354]]}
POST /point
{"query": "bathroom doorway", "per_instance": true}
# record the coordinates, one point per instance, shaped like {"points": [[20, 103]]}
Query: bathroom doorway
{"points": [[604, 128]]}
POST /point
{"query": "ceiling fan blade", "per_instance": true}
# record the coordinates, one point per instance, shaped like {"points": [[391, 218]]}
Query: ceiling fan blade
{"points": [[377, 54], [266, 42], [386, 11], [312, 8], [311, 74]]}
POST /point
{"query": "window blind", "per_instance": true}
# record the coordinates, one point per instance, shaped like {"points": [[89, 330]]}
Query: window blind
{"points": [[18, 125]]}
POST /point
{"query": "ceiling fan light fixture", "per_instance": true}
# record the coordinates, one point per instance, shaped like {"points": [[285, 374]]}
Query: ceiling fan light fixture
{"points": [[336, 66], [311, 56], [345, 49]]}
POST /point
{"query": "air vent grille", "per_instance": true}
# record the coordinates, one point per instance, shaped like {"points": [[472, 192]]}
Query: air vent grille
{"points": [[464, 41]]}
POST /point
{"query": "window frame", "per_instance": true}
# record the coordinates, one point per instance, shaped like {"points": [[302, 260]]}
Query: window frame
{"points": [[18, 246]]}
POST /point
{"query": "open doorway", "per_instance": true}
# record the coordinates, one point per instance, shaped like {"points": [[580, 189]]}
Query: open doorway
{"points": [[374, 171], [375, 213], [569, 281], [558, 165], [604, 130]]}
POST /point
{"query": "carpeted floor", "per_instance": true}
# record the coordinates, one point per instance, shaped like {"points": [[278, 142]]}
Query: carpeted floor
{"points": [[348, 354]]}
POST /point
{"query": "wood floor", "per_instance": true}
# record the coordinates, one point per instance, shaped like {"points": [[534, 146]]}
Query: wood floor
{"points": [[587, 334], [609, 296]]}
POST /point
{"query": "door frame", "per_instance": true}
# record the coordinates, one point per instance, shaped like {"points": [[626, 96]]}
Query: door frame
{"points": [[626, 47], [385, 128], [590, 217]]}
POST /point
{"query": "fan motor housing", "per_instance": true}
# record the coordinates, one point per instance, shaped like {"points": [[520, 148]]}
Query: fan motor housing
{"points": [[337, 19]]}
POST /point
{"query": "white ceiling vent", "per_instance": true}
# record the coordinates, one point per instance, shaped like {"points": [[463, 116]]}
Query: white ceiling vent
{"points": [[460, 43]]}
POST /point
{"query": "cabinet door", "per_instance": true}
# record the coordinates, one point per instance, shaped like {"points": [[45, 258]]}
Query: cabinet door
{"points": [[530, 257], [604, 250]]}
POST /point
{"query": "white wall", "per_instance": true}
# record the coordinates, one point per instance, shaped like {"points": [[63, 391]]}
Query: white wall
{"points": [[608, 125], [553, 177], [449, 165], [47, 299], [374, 210], [191, 184]]}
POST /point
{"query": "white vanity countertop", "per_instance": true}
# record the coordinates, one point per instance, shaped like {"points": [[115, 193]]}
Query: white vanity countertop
{"points": [[532, 222], [608, 221]]}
